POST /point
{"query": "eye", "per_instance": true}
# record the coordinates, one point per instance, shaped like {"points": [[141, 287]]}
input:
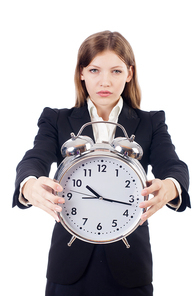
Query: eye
{"points": [[93, 70], [117, 71]]}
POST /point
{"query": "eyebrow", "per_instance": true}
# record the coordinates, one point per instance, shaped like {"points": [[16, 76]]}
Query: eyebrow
{"points": [[99, 67], [117, 67]]}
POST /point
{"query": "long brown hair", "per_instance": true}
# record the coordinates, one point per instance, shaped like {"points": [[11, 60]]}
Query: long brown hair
{"points": [[94, 45]]}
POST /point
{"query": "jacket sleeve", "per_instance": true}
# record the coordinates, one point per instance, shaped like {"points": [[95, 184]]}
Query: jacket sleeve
{"points": [[163, 158], [37, 161]]}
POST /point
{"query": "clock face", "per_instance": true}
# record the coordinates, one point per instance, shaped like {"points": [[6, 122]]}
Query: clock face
{"points": [[102, 196]]}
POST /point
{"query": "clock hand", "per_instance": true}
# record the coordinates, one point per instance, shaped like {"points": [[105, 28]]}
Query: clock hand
{"points": [[117, 201], [90, 197], [94, 192], [106, 199], [81, 193]]}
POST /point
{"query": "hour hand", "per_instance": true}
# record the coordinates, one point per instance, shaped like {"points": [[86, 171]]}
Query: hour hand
{"points": [[92, 191]]}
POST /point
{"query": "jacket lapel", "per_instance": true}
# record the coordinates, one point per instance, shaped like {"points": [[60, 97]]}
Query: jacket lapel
{"points": [[129, 119], [78, 118]]}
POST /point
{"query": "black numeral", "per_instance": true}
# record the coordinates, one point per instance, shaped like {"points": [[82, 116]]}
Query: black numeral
{"points": [[127, 184], [114, 223], [77, 183], [126, 213], [99, 227], [102, 168], [85, 220], [73, 211], [131, 198], [87, 172], [116, 172], [69, 195]]}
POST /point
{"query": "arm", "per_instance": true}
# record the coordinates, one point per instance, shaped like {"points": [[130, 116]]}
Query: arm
{"points": [[165, 164], [37, 162]]}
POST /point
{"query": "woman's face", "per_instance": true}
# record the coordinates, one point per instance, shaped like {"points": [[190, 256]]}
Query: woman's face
{"points": [[105, 78]]}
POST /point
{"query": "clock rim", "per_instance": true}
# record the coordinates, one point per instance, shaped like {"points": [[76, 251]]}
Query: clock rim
{"points": [[67, 164]]}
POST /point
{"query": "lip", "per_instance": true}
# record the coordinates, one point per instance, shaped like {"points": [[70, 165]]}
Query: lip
{"points": [[104, 93]]}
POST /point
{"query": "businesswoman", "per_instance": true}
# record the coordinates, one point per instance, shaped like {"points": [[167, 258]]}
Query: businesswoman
{"points": [[106, 89]]}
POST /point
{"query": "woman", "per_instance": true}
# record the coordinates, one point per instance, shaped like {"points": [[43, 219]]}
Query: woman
{"points": [[106, 89]]}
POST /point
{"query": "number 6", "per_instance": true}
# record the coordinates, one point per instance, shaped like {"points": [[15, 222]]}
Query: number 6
{"points": [[99, 227]]}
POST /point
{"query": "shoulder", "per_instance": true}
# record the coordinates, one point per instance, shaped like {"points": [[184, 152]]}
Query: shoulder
{"points": [[155, 118], [150, 114], [54, 112], [65, 112], [142, 114], [53, 115]]}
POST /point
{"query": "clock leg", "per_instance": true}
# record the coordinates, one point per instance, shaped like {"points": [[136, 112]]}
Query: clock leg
{"points": [[126, 242], [71, 241]]}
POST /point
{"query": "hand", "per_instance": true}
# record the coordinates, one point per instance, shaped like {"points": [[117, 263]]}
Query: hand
{"points": [[163, 191], [39, 193]]}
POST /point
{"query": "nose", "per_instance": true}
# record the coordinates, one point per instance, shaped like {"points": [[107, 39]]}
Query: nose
{"points": [[105, 80]]}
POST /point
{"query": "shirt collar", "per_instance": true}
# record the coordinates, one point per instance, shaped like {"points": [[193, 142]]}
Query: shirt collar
{"points": [[114, 113]]}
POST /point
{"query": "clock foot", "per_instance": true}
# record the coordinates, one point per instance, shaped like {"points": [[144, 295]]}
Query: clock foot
{"points": [[71, 241], [126, 243]]}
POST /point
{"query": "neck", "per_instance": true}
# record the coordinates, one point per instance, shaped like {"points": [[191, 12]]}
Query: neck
{"points": [[104, 113]]}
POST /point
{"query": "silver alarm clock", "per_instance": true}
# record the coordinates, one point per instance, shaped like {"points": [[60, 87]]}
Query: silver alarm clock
{"points": [[102, 186]]}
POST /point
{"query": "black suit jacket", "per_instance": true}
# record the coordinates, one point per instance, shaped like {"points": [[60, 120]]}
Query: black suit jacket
{"points": [[130, 267]]}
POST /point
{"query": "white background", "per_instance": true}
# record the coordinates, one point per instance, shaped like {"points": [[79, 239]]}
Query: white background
{"points": [[39, 43]]}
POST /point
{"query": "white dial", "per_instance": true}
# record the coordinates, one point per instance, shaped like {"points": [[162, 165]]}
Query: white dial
{"points": [[102, 196]]}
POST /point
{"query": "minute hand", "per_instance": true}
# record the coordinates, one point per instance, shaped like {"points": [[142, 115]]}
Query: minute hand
{"points": [[117, 201], [103, 198]]}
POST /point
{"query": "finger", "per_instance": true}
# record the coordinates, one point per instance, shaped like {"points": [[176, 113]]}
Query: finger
{"points": [[55, 199], [153, 206], [41, 197], [149, 203], [152, 210], [50, 201], [155, 186], [51, 184]]}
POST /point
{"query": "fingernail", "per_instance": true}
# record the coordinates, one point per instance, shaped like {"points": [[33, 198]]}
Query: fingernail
{"points": [[58, 209], [144, 217], [61, 200], [142, 205], [59, 188], [144, 192]]}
